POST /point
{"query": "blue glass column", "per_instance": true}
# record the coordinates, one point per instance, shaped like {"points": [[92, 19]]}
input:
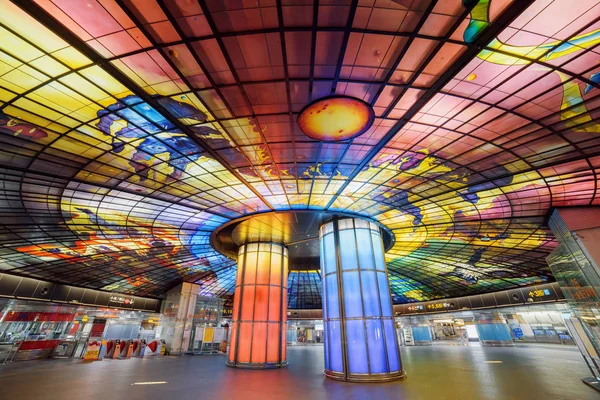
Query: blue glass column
{"points": [[360, 335]]}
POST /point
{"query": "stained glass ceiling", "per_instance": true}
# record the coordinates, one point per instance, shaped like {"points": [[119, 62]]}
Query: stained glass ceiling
{"points": [[131, 129]]}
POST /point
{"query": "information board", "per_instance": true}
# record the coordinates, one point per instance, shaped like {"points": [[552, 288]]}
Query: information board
{"points": [[219, 335], [199, 335], [92, 351], [208, 335]]}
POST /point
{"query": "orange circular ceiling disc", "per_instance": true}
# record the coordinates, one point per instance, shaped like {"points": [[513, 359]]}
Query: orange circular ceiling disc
{"points": [[336, 118]]}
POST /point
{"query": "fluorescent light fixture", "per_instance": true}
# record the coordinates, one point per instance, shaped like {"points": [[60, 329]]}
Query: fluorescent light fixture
{"points": [[149, 383], [493, 362]]}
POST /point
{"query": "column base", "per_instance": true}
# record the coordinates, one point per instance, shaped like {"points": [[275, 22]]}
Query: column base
{"points": [[256, 366], [592, 382], [338, 376], [497, 343]]}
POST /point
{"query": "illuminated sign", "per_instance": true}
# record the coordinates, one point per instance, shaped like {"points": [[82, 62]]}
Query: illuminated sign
{"points": [[539, 293], [120, 301], [441, 306], [579, 292]]}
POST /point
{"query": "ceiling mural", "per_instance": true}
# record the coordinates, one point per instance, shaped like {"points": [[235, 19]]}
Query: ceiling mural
{"points": [[132, 129]]}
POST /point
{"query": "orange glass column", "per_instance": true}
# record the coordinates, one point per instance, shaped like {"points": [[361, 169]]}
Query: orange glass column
{"points": [[259, 307]]}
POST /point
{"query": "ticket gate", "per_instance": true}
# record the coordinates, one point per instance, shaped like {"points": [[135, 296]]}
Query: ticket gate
{"points": [[102, 352], [126, 349], [153, 348], [113, 349], [139, 347]]}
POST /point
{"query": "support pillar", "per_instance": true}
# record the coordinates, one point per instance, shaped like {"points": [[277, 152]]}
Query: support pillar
{"points": [[260, 307], [361, 344], [177, 316]]}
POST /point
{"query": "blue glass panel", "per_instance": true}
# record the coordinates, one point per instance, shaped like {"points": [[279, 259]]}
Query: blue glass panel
{"points": [[493, 332], [348, 249], [392, 345], [378, 252], [376, 347], [357, 347], [324, 300], [384, 295], [332, 299], [370, 293], [326, 343], [328, 244], [421, 334], [322, 254], [352, 298], [365, 251], [503, 332], [335, 347]]}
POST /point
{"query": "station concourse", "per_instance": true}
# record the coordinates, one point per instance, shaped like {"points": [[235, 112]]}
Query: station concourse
{"points": [[300, 198]]}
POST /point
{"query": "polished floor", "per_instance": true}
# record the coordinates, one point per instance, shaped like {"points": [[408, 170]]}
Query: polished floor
{"points": [[434, 372]]}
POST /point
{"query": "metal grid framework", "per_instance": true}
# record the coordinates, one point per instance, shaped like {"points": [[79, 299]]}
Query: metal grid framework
{"points": [[131, 129], [304, 289]]}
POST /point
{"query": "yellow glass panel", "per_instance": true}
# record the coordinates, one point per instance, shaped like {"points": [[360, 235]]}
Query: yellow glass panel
{"points": [[19, 21], [10, 60], [250, 267], [104, 80], [25, 116], [5, 95], [165, 88], [37, 109], [76, 82], [16, 46], [4, 68], [65, 100], [275, 269], [86, 113], [21, 79], [57, 128], [70, 122], [93, 136], [71, 57], [263, 269], [50, 66], [76, 147]]}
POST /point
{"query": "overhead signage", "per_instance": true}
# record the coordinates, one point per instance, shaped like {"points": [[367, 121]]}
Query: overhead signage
{"points": [[415, 308], [536, 294], [539, 293], [120, 301], [442, 306], [227, 312]]}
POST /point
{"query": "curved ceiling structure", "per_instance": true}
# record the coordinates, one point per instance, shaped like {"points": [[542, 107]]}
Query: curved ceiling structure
{"points": [[132, 129]]}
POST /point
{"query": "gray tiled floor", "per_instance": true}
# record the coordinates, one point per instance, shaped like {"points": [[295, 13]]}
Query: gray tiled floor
{"points": [[435, 372]]}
